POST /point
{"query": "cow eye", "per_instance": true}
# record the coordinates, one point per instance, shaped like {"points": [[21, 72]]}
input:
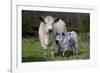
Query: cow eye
{"points": [[45, 23]]}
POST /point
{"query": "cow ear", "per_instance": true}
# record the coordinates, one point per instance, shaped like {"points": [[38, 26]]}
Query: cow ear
{"points": [[41, 19], [63, 34], [56, 19]]}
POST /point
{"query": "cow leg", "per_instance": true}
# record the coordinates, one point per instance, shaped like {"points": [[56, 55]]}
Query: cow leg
{"points": [[45, 53], [52, 51], [45, 50]]}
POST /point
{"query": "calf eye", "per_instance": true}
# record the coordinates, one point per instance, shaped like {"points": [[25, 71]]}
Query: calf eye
{"points": [[63, 33]]}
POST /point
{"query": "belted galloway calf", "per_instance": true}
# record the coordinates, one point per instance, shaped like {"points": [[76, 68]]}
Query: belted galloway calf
{"points": [[67, 40]]}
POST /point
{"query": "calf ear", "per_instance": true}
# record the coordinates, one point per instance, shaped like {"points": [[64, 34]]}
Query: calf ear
{"points": [[56, 19], [41, 19]]}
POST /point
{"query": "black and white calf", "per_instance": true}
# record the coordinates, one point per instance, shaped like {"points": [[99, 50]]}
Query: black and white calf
{"points": [[67, 40]]}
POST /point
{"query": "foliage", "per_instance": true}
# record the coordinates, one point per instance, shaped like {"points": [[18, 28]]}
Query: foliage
{"points": [[79, 22]]}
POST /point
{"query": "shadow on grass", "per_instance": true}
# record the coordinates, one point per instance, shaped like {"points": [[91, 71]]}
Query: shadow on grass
{"points": [[33, 59], [69, 53]]}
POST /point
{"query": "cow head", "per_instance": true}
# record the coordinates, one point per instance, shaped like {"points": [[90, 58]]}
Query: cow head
{"points": [[48, 22]]}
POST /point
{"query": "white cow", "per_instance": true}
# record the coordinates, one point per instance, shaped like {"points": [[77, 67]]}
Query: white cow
{"points": [[49, 26]]}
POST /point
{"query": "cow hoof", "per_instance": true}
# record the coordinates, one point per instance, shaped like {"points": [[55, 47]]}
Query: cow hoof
{"points": [[46, 57]]}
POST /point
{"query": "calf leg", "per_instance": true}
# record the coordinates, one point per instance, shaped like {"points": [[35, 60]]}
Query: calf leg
{"points": [[63, 54], [63, 51], [59, 51], [76, 48], [73, 49]]}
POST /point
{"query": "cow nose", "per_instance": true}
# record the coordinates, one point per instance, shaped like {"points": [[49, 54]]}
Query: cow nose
{"points": [[56, 41], [50, 30]]}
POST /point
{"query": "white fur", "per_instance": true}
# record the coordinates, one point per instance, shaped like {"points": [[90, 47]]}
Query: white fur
{"points": [[45, 37]]}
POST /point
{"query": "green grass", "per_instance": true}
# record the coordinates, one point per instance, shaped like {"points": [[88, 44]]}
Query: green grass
{"points": [[33, 52]]}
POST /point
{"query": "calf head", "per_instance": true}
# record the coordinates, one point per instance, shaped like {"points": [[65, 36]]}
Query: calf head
{"points": [[60, 38], [61, 42]]}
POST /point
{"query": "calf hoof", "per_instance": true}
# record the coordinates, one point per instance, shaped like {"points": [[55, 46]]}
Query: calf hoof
{"points": [[63, 55], [74, 54], [77, 52]]}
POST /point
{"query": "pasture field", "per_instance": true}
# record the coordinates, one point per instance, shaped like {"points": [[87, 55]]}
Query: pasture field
{"points": [[31, 46], [33, 52]]}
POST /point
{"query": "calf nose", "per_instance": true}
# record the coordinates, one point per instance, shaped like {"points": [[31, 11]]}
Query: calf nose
{"points": [[50, 30]]}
